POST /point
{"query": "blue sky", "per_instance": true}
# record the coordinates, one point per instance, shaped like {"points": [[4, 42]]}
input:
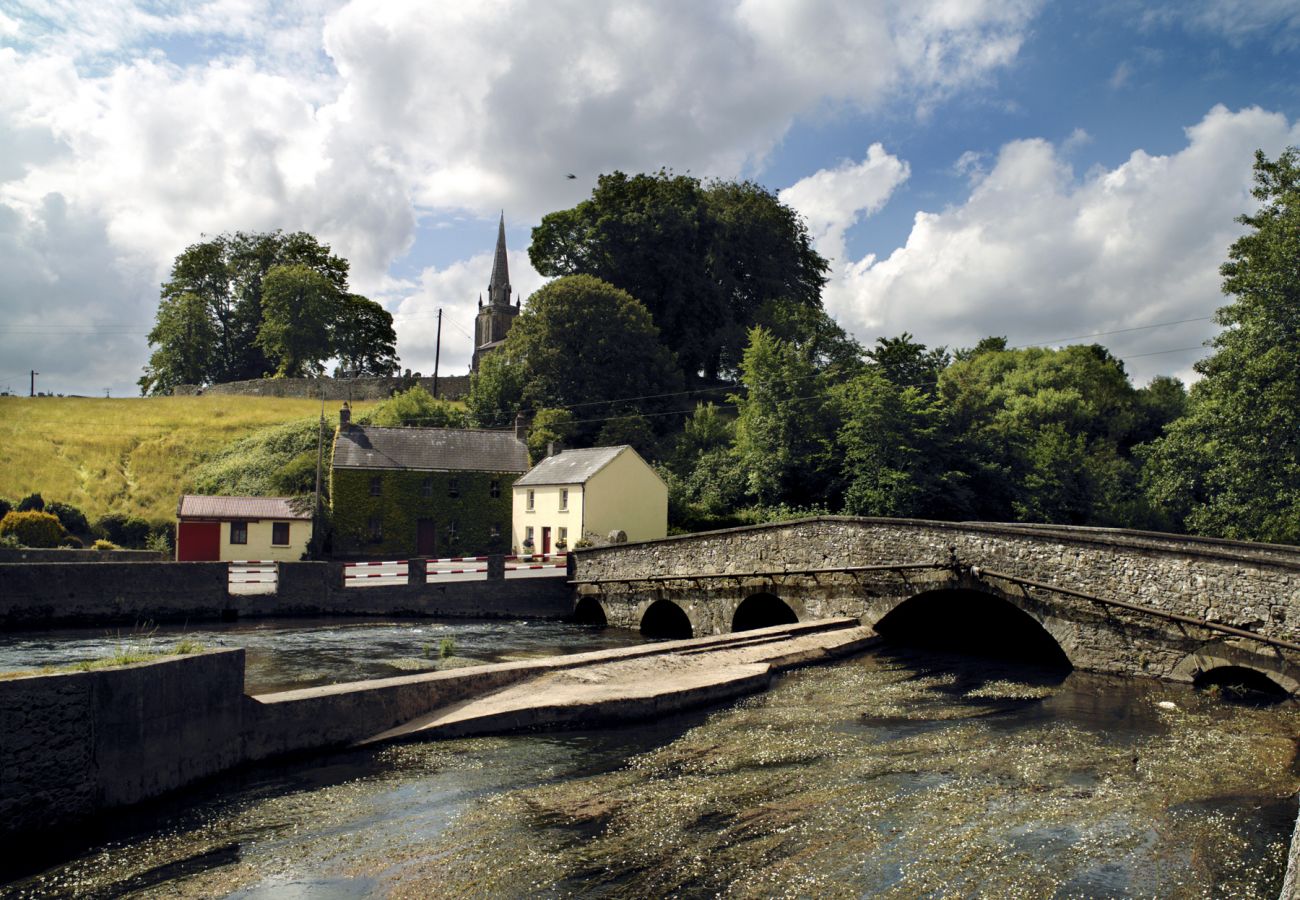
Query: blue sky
{"points": [[1036, 170]]}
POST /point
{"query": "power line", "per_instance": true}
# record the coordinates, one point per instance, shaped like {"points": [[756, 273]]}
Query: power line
{"points": [[1079, 337]]}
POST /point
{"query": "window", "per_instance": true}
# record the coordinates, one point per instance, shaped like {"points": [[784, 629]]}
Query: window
{"points": [[494, 489], [426, 489], [496, 530], [530, 500], [564, 498], [562, 536], [376, 484], [376, 528], [453, 486], [450, 532], [528, 536], [280, 534], [239, 532]]}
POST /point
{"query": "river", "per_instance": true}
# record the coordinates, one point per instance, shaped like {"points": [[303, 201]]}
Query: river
{"points": [[900, 773]]}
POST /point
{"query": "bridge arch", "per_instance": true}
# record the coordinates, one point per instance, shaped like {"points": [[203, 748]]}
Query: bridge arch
{"points": [[589, 611], [1226, 663], [665, 619], [980, 622], [762, 610]]}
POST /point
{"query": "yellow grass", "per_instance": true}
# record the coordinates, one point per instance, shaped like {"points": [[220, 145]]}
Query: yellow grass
{"points": [[125, 455]]}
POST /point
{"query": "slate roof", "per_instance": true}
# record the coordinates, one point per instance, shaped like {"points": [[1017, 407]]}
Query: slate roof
{"points": [[429, 449], [201, 506], [571, 466]]}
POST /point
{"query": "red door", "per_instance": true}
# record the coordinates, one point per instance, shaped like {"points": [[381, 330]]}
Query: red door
{"points": [[198, 541], [426, 538], [546, 539]]}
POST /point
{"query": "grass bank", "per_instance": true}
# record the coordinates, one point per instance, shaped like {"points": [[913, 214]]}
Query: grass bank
{"points": [[127, 455]]}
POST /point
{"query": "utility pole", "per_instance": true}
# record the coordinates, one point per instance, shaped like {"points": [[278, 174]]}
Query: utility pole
{"points": [[320, 455], [437, 350], [33, 390]]}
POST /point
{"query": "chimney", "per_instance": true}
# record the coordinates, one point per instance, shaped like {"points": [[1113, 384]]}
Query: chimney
{"points": [[521, 427], [345, 417], [550, 448]]}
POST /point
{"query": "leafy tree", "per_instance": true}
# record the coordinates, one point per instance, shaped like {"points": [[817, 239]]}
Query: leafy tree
{"points": [[549, 426], [633, 429], [704, 259], [418, 407], [123, 530], [1231, 466], [783, 425], [31, 502], [909, 364], [187, 341], [581, 344], [71, 518], [363, 338], [221, 281], [891, 443], [298, 305]]}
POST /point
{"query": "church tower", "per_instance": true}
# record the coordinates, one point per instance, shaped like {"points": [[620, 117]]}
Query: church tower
{"points": [[494, 319]]}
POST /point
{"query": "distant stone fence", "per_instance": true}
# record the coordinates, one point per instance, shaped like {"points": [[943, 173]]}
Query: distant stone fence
{"points": [[450, 387], [69, 555]]}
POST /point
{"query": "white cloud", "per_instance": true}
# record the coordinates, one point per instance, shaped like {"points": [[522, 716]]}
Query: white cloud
{"points": [[1036, 253], [163, 122], [1277, 21]]}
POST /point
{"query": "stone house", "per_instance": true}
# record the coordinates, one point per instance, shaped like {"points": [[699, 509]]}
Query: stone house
{"points": [[586, 494], [402, 492], [229, 528]]}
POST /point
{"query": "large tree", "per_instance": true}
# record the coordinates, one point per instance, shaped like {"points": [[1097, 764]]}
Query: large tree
{"points": [[1231, 466], [579, 344], [226, 274], [707, 260]]}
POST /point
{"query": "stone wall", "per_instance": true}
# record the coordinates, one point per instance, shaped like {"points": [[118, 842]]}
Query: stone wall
{"points": [[36, 595], [67, 555], [72, 744], [1247, 586], [450, 387]]}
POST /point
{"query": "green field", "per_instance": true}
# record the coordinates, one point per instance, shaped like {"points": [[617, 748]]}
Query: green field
{"points": [[128, 456]]}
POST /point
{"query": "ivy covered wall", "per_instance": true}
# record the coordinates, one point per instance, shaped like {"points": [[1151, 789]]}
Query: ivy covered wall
{"points": [[464, 522]]}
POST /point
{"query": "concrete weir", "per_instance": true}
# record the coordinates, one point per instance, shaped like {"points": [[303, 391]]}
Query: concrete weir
{"points": [[73, 745]]}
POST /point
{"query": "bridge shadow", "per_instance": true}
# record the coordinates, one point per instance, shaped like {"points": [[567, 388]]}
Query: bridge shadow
{"points": [[665, 619], [590, 612], [972, 623], [761, 611], [1242, 686]]}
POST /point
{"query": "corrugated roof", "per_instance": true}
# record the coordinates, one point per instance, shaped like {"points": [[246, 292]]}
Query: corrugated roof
{"points": [[430, 449], [200, 506], [571, 466]]}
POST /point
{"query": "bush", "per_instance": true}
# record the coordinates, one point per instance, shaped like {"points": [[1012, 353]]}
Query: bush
{"points": [[33, 528], [102, 544], [160, 539], [69, 517], [6, 506], [73, 542], [125, 531], [255, 466], [31, 502]]}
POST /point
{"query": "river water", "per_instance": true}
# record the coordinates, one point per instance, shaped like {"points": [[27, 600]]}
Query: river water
{"points": [[899, 773]]}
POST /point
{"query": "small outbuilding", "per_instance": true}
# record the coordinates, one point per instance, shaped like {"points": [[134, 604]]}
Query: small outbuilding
{"points": [[586, 495], [227, 528]]}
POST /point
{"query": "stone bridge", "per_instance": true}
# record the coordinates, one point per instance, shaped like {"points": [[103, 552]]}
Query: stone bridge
{"points": [[1106, 600]]}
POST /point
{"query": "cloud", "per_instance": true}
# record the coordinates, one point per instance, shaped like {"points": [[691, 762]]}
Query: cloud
{"points": [[1036, 253], [158, 123], [1276, 21]]}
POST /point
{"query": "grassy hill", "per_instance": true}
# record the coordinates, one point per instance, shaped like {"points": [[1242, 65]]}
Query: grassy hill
{"points": [[128, 456]]}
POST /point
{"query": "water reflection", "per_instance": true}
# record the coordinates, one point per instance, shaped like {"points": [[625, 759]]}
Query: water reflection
{"points": [[898, 774]]}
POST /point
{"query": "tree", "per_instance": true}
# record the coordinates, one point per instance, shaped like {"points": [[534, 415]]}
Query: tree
{"points": [[298, 305], [1231, 466], [580, 344], [909, 364], [549, 427], [705, 260], [211, 312], [363, 338], [418, 407]]}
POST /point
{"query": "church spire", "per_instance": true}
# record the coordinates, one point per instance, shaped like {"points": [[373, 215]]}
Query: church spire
{"points": [[499, 286]]}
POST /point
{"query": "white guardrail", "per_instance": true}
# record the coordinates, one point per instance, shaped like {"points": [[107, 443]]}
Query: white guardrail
{"points": [[252, 576], [382, 573]]}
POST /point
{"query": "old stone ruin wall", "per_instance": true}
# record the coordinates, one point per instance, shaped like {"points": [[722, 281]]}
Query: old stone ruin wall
{"points": [[450, 387]]}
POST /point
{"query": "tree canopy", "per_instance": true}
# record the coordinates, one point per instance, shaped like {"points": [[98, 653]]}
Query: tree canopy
{"points": [[245, 305], [1231, 465], [708, 261]]}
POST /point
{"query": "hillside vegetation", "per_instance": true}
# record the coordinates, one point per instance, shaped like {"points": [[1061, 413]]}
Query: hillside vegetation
{"points": [[130, 456]]}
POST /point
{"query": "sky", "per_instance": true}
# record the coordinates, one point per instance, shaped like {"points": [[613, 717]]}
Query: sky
{"points": [[1048, 172]]}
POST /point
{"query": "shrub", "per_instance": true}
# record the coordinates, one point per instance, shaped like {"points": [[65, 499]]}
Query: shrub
{"points": [[73, 542], [102, 544], [69, 517], [160, 539], [6, 506], [33, 528], [125, 531], [31, 502]]}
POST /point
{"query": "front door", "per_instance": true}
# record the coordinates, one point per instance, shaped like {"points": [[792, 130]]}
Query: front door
{"points": [[426, 538], [198, 541], [546, 539]]}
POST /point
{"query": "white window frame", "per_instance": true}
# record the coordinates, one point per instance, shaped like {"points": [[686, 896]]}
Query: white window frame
{"points": [[530, 501], [564, 499]]}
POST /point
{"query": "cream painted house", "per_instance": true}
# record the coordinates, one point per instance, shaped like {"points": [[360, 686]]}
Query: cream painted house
{"points": [[587, 494], [238, 528]]}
